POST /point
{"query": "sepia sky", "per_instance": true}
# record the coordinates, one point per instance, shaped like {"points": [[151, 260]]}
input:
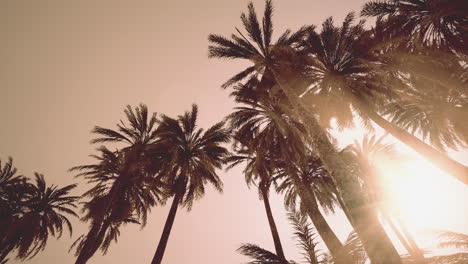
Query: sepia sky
{"points": [[69, 65]]}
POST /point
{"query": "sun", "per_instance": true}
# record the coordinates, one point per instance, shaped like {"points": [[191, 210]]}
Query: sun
{"points": [[423, 195]]}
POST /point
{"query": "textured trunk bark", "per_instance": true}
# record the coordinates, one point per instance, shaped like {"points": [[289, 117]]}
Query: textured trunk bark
{"points": [[378, 246], [441, 160], [274, 230], [158, 255]]}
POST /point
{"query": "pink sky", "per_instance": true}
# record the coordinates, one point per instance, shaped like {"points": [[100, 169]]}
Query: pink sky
{"points": [[70, 65]]}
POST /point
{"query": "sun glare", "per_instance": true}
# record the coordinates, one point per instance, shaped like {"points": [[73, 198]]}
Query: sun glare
{"points": [[420, 193]]}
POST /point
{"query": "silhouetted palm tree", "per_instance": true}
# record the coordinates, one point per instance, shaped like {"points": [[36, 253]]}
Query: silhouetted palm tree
{"points": [[439, 24], [34, 210], [259, 168], [344, 78], [304, 235], [260, 255], [191, 160], [309, 181], [283, 69], [262, 126], [136, 192], [124, 189]]}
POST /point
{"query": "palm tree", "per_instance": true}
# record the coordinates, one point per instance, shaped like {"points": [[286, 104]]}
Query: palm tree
{"points": [[270, 60], [137, 193], [309, 181], [36, 210], [304, 235], [259, 168], [344, 77], [261, 124], [124, 189], [366, 152], [433, 111], [440, 24], [260, 255], [190, 161]]}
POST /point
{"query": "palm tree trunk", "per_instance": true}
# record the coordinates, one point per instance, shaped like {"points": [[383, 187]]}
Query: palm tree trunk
{"points": [[271, 222], [418, 252], [441, 160], [400, 236], [158, 255], [378, 246], [329, 237], [93, 242]]}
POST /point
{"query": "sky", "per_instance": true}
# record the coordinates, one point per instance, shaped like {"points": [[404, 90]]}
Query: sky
{"points": [[70, 65]]}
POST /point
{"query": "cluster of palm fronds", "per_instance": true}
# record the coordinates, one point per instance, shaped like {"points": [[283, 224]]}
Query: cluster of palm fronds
{"points": [[30, 211], [162, 158], [407, 74]]}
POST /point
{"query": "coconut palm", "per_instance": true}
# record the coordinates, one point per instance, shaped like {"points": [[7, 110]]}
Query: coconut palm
{"points": [[259, 168], [137, 192], [263, 124], [344, 79], [124, 189], [35, 211], [311, 184], [282, 68], [305, 238], [191, 160], [440, 24]]}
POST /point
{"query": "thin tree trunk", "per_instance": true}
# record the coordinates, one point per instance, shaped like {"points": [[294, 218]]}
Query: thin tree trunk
{"points": [[378, 246], [412, 242], [274, 230], [329, 237], [158, 255], [441, 160], [400, 236]]}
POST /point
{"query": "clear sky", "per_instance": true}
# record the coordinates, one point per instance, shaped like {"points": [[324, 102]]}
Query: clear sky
{"points": [[69, 65]]}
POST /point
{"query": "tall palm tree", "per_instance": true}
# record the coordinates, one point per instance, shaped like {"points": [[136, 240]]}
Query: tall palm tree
{"points": [[191, 159], [366, 153], [124, 189], [262, 124], [309, 181], [440, 24], [259, 168], [136, 192], [344, 78], [34, 211], [280, 69]]}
